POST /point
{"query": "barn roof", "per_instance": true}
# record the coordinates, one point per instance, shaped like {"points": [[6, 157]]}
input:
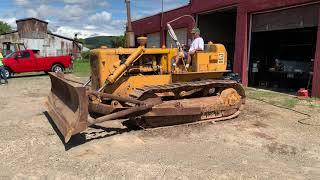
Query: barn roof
{"points": [[27, 19]]}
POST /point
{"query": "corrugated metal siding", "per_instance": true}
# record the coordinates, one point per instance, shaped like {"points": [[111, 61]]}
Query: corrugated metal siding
{"points": [[153, 40], [244, 8], [294, 18], [11, 37], [181, 35], [49, 46]]}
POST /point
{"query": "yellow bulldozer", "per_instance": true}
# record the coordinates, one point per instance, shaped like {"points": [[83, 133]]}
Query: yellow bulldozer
{"points": [[140, 85]]}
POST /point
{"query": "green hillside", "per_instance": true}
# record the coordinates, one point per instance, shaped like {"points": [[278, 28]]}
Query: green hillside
{"points": [[98, 41]]}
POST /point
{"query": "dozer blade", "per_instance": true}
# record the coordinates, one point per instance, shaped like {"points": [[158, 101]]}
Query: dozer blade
{"points": [[67, 106]]}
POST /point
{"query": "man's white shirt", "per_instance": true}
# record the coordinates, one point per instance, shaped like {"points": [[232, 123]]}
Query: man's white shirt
{"points": [[197, 43]]}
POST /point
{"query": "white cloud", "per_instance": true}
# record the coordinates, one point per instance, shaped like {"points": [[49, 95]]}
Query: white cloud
{"points": [[82, 33], [22, 2], [31, 13], [103, 3], [68, 13], [90, 27], [10, 21], [72, 12], [45, 10], [87, 17], [100, 18], [42, 12], [74, 1]]}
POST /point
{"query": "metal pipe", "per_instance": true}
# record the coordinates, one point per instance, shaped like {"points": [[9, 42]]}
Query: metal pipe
{"points": [[121, 114], [118, 98], [128, 15], [129, 32], [194, 21], [100, 108]]}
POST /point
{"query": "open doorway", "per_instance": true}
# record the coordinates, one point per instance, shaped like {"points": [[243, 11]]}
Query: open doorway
{"points": [[220, 27], [283, 60], [282, 51]]}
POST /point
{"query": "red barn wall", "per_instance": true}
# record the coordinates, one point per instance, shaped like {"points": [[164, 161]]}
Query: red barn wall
{"points": [[244, 9]]}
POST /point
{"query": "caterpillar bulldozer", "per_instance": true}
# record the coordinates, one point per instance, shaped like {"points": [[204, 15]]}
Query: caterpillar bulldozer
{"points": [[140, 85]]}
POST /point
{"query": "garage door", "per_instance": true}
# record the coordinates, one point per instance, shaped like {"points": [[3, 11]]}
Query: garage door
{"points": [[282, 48], [153, 40], [293, 18], [181, 35]]}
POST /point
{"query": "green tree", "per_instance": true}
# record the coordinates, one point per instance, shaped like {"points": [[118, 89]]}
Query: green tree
{"points": [[118, 41], [81, 40], [85, 55], [4, 27]]}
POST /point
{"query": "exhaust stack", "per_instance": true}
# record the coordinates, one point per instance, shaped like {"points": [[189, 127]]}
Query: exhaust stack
{"points": [[130, 42]]}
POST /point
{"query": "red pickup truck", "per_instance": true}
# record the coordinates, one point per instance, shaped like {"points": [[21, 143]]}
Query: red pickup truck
{"points": [[30, 61]]}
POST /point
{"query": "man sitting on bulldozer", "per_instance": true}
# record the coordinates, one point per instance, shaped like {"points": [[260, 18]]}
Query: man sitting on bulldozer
{"points": [[197, 45]]}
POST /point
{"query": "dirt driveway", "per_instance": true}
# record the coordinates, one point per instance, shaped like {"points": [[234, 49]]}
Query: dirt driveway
{"points": [[265, 142]]}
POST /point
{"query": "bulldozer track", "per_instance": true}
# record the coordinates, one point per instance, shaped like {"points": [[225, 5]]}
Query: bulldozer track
{"points": [[207, 113], [195, 123], [148, 91]]}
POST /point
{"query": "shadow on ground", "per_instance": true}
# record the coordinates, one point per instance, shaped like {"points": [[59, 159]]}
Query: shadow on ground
{"points": [[78, 139], [29, 75]]}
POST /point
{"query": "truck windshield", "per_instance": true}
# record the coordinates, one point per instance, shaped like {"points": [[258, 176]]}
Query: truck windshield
{"points": [[9, 55]]}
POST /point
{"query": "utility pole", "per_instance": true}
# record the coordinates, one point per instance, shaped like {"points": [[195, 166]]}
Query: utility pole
{"points": [[130, 42]]}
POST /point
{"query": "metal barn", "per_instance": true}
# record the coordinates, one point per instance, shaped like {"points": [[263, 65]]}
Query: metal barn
{"points": [[33, 34], [272, 43]]}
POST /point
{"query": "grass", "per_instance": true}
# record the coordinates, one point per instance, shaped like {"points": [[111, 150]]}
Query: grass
{"points": [[81, 68], [276, 98], [290, 103]]}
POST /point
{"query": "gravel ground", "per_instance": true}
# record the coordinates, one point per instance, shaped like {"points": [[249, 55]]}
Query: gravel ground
{"points": [[265, 142]]}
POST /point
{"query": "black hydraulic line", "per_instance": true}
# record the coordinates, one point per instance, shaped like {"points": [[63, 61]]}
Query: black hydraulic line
{"points": [[118, 98], [301, 121]]}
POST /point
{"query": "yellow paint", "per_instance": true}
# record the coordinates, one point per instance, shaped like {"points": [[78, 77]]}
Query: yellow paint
{"points": [[214, 60], [127, 85], [205, 65]]}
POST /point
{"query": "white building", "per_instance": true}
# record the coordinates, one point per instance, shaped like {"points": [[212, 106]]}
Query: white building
{"points": [[33, 34]]}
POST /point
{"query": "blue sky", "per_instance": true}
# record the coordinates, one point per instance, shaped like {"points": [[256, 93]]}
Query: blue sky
{"points": [[87, 17]]}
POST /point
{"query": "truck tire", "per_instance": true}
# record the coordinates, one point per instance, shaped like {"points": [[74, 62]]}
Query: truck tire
{"points": [[57, 68], [7, 73]]}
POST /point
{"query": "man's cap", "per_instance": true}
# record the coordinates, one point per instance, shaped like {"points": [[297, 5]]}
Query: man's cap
{"points": [[195, 30]]}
